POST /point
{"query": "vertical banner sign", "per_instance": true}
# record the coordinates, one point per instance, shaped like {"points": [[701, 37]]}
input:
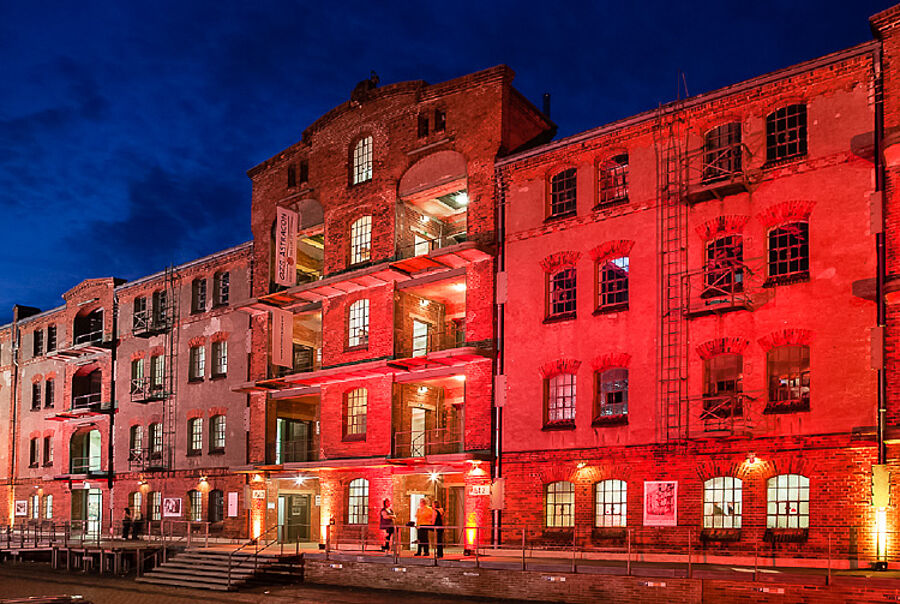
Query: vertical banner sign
{"points": [[285, 247], [282, 337], [660, 503], [232, 504]]}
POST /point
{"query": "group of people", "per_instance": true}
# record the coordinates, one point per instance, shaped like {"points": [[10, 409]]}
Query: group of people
{"points": [[429, 516]]}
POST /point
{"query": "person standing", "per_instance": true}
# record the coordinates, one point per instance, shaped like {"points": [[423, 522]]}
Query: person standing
{"points": [[424, 521], [438, 528], [126, 523], [386, 523]]}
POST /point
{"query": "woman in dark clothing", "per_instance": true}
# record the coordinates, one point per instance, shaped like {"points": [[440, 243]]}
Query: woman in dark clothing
{"points": [[386, 523], [439, 532], [126, 523]]}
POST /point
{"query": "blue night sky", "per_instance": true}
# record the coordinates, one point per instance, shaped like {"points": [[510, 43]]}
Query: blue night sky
{"points": [[127, 128]]}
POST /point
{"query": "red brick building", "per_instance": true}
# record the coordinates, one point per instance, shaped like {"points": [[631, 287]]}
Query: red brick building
{"points": [[388, 298]]}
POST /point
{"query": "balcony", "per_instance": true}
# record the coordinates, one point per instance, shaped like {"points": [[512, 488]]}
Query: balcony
{"points": [[717, 172], [146, 390], [291, 451], [146, 324], [304, 359], [86, 464], [724, 414], [147, 459], [424, 443], [721, 288]]}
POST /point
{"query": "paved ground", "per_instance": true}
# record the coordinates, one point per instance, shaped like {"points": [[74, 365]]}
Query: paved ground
{"points": [[32, 579]]}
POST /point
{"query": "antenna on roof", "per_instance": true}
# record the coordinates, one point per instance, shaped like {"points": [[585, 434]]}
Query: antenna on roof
{"points": [[546, 105]]}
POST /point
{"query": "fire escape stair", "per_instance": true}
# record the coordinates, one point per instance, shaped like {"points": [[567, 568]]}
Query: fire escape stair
{"points": [[208, 569]]}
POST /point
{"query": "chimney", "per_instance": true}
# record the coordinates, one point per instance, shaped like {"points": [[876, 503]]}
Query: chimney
{"points": [[546, 107]]}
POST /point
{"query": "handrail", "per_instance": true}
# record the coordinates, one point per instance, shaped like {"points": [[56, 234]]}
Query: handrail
{"points": [[255, 556]]}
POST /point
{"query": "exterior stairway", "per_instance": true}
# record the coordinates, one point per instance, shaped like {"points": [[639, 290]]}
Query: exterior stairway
{"points": [[208, 569]]}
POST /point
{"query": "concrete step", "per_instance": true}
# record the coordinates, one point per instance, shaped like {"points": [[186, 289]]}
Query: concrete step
{"points": [[185, 583]]}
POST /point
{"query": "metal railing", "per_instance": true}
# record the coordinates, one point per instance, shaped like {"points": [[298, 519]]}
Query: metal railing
{"points": [[435, 441], [242, 556], [717, 288], [149, 321], [443, 336], [292, 451], [90, 337], [146, 458], [144, 389], [426, 245], [84, 401], [85, 464]]}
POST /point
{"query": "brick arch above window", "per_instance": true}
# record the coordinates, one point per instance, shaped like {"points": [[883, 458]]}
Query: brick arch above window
{"points": [[138, 355], [194, 413], [219, 336], [561, 472], [794, 464], [157, 350], [612, 360], [559, 366], [722, 467], [611, 249], [559, 261], [36, 378], [713, 348], [797, 210], [721, 226], [786, 337], [197, 341]]}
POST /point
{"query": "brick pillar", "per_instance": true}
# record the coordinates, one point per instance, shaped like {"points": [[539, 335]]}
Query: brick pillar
{"points": [[477, 508]]}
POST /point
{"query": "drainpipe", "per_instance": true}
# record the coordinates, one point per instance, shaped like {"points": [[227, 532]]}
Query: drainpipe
{"points": [[110, 474], [881, 270], [14, 412], [499, 369]]}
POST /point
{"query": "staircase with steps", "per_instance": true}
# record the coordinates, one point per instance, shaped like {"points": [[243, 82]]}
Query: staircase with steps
{"points": [[208, 569]]}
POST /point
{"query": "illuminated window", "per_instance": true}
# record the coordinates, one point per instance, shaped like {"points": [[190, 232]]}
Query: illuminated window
{"points": [[361, 240], [362, 160], [789, 251], [216, 506], [613, 285], [786, 133], [221, 288], [48, 507], [612, 393], [220, 358], [722, 503], [724, 270], [198, 295], [358, 324], [559, 504], [195, 436], [195, 506], [156, 439], [561, 399], [136, 503], [358, 501], [613, 180], [217, 433], [356, 406], [197, 363], [788, 502], [610, 498], [563, 193], [561, 290], [788, 371], [155, 505], [722, 152], [35, 505]]}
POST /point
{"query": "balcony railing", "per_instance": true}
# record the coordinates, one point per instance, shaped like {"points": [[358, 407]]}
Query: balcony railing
{"points": [[147, 322], [436, 441], [86, 401], [305, 359], [90, 337], [148, 458], [427, 245], [408, 343], [85, 464], [717, 172], [717, 288], [291, 451], [145, 390]]}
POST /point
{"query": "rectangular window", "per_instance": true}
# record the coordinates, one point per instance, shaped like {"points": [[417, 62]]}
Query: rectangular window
{"points": [[724, 270], [136, 441], [361, 240], [304, 172], [786, 133], [48, 507], [291, 176], [789, 252], [140, 316], [788, 369], [561, 399], [722, 152], [422, 129], [155, 505], [217, 433], [48, 450], [440, 120], [157, 372], [198, 295], [195, 436], [36, 396], [197, 363], [563, 193], [156, 439], [613, 285], [358, 501], [356, 405], [137, 375], [613, 180], [362, 160], [195, 500], [562, 291], [35, 507], [38, 343], [51, 338], [612, 391], [220, 358], [49, 394], [610, 498], [722, 498], [34, 453], [559, 505], [723, 375], [221, 288], [358, 324], [788, 502]]}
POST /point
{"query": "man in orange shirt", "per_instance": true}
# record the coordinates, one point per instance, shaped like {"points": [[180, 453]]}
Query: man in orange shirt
{"points": [[424, 520]]}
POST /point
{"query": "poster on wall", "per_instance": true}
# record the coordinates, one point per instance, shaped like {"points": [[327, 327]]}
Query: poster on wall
{"points": [[172, 507], [661, 503], [285, 247], [282, 337], [232, 504], [22, 508]]}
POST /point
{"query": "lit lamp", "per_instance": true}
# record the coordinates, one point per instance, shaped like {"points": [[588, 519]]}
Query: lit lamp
{"points": [[881, 499]]}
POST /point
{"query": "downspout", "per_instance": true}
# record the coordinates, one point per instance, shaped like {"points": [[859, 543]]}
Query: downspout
{"points": [[110, 473], [14, 412], [497, 440], [880, 255]]}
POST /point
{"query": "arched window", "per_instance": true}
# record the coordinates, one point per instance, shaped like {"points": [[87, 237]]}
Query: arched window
{"points": [[84, 452], [216, 511], [358, 324], [155, 505], [217, 434], [195, 506], [788, 372], [788, 502], [358, 501], [722, 152], [361, 240], [561, 292], [362, 161], [786, 133], [613, 180], [135, 502], [722, 498], [560, 397], [789, 251], [355, 408], [563, 193], [610, 498], [724, 270], [195, 436], [559, 504]]}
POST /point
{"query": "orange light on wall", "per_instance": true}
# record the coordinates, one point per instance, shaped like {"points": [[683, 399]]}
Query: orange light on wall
{"points": [[257, 510], [471, 530]]}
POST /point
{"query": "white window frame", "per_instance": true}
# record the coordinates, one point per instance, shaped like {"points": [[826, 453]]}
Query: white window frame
{"points": [[361, 240], [787, 498], [722, 502], [559, 504], [358, 501], [611, 503], [358, 324], [362, 160]]}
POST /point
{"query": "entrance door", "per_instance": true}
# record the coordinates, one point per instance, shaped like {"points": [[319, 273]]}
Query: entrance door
{"points": [[414, 499], [87, 512], [293, 518], [417, 433]]}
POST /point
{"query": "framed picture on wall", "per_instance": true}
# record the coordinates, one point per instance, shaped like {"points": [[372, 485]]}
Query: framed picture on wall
{"points": [[661, 503], [22, 507], [171, 507]]}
